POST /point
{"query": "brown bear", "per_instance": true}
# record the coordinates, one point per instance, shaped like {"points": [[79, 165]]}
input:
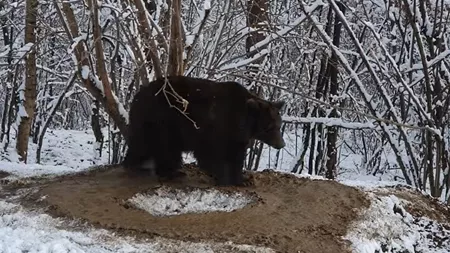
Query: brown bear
{"points": [[214, 120]]}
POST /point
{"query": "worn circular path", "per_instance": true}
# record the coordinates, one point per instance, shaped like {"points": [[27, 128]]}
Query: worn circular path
{"points": [[293, 214]]}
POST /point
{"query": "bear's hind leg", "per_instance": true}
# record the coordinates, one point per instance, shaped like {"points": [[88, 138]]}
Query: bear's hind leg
{"points": [[168, 161]]}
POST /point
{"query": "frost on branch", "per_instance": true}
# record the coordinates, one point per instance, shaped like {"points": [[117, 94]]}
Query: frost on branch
{"points": [[123, 112]]}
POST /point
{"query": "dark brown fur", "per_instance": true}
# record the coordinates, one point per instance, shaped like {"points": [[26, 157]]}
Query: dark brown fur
{"points": [[228, 116]]}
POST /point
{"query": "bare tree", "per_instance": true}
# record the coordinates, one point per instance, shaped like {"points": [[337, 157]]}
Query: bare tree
{"points": [[332, 131], [99, 88], [175, 65], [372, 82], [8, 83], [28, 99], [257, 20]]}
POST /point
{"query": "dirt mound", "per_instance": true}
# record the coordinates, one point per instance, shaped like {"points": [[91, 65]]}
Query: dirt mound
{"points": [[291, 215], [420, 205]]}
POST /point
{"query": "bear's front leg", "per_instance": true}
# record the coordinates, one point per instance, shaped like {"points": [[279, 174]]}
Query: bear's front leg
{"points": [[136, 157], [223, 163], [230, 172], [225, 174]]}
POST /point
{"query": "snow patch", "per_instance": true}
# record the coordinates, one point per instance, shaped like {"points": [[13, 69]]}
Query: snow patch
{"points": [[20, 170], [85, 72], [207, 5], [387, 227], [22, 113], [63, 152], [167, 201], [330, 122], [121, 108], [32, 231], [369, 182]]}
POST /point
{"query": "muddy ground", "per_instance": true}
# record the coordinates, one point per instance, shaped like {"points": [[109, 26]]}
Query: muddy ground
{"points": [[292, 214]]}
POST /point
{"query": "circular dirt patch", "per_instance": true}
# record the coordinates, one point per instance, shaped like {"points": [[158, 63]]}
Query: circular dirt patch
{"points": [[292, 215]]}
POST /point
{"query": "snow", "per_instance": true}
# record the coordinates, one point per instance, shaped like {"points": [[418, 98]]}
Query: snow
{"points": [[4, 52], [207, 5], [31, 231], [387, 227], [63, 151], [244, 62], [98, 84], [329, 122], [21, 52], [35, 170], [75, 42], [68, 151], [189, 39], [121, 108], [166, 201], [362, 89], [21, 112], [85, 72], [283, 32], [369, 182], [289, 27]]}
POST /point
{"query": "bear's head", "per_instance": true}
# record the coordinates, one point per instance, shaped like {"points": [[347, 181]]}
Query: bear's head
{"points": [[266, 121]]}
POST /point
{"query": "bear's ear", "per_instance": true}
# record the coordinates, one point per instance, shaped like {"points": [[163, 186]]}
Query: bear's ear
{"points": [[279, 104], [252, 103]]}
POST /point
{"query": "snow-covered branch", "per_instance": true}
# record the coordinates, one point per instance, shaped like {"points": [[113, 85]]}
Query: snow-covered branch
{"points": [[338, 122]]}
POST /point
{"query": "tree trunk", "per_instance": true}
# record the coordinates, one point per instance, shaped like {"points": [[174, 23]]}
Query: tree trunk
{"points": [[107, 99], [11, 109], [7, 39], [317, 144], [145, 32], [331, 170], [256, 19], [96, 128], [26, 113], [176, 49]]}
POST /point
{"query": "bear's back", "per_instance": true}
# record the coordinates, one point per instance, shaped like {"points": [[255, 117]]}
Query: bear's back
{"points": [[192, 88], [217, 108]]}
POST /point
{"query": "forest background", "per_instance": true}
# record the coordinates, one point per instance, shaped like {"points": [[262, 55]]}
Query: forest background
{"points": [[369, 78]]}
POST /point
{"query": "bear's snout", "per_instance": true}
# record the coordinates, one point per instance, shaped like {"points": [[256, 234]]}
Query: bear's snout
{"points": [[279, 144], [275, 140]]}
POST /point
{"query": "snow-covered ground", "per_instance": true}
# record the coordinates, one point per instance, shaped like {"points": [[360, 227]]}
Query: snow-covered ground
{"points": [[32, 231], [67, 151], [387, 227], [64, 152], [351, 170]]}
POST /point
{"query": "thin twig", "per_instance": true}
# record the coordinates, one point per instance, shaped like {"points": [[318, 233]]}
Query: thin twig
{"points": [[178, 98]]}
